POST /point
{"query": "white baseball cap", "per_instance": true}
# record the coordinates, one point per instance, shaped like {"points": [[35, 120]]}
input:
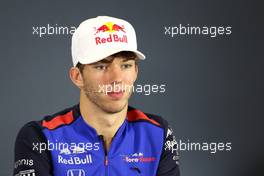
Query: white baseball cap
{"points": [[100, 37]]}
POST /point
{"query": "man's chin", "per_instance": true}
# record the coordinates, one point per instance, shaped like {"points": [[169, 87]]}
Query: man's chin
{"points": [[114, 107]]}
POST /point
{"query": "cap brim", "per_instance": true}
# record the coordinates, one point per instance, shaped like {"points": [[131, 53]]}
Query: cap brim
{"points": [[104, 55], [139, 54]]}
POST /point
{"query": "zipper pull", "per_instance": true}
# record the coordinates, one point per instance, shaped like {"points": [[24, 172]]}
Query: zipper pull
{"points": [[106, 161]]}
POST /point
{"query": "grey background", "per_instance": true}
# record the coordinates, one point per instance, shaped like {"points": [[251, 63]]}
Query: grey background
{"points": [[214, 86]]}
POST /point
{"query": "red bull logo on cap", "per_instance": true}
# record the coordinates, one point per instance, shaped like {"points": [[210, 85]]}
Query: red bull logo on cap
{"points": [[110, 27], [114, 31]]}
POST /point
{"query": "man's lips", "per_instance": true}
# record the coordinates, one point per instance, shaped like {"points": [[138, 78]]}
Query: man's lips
{"points": [[114, 94]]}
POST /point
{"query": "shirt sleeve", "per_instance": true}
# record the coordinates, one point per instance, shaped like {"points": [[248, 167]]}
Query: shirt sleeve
{"points": [[169, 161], [30, 160]]}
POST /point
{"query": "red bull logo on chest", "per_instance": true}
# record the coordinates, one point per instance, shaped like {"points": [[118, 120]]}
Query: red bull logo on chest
{"points": [[116, 33]]}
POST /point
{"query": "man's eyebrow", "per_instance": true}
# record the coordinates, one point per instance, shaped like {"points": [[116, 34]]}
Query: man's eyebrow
{"points": [[107, 61], [104, 61], [127, 59]]}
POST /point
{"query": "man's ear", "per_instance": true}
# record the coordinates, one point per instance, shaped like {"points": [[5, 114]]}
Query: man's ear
{"points": [[76, 77]]}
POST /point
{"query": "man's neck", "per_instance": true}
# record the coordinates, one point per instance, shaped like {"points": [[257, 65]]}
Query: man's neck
{"points": [[105, 124]]}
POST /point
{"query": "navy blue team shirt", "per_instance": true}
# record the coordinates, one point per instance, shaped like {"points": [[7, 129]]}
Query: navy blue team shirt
{"points": [[63, 144]]}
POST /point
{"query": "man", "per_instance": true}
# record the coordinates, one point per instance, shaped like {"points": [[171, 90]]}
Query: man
{"points": [[101, 135]]}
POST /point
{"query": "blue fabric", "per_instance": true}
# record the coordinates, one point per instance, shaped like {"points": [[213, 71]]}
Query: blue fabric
{"points": [[135, 150]]}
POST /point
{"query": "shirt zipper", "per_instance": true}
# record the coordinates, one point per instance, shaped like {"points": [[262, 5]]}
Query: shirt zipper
{"points": [[105, 154], [106, 158]]}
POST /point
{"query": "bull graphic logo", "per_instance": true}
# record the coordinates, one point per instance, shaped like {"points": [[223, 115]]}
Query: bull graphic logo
{"points": [[110, 27]]}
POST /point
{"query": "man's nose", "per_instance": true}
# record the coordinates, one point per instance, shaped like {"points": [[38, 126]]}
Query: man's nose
{"points": [[115, 74]]}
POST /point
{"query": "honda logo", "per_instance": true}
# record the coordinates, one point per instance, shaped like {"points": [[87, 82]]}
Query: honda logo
{"points": [[75, 172]]}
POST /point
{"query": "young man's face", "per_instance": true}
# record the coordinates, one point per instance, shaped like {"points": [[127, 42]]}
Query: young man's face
{"points": [[108, 83]]}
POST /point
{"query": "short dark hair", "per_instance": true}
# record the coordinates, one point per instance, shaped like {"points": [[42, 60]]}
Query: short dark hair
{"points": [[80, 67], [124, 54]]}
